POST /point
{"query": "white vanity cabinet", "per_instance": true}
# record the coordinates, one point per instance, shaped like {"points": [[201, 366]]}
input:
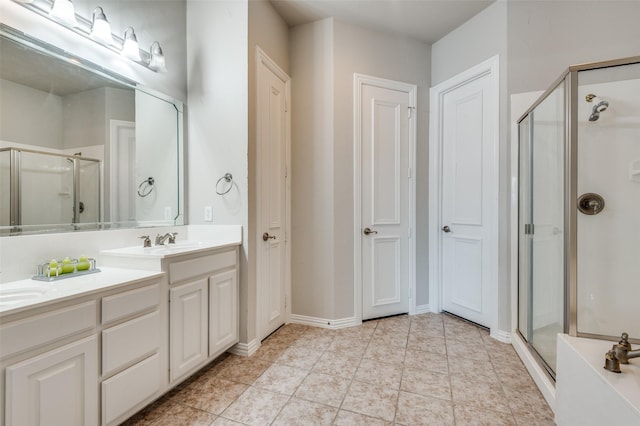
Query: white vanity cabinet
{"points": [[131, 357], [92, 359], [203, 308], [51, 384]]}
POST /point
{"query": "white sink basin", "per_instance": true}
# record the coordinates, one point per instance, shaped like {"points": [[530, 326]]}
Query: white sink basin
{"points": [[13, 295]]}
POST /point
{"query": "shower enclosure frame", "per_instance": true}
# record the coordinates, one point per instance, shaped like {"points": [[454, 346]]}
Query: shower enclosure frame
{"points": [[570, 187]]}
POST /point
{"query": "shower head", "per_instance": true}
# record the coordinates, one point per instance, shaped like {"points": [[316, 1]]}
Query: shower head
{"points": [[600, 106]]}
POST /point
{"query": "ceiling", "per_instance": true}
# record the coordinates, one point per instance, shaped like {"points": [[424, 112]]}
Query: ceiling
{"points": [[424, 20]]}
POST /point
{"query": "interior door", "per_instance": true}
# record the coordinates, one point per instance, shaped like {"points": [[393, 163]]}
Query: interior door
{"points": [[272, 134], [469, 196], [385, 133]]}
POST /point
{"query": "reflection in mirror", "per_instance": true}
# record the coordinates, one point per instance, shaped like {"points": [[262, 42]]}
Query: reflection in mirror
{"points": [[81, 148]]}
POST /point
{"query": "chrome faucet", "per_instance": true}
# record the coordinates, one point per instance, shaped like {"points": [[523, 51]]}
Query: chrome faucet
{"points": [[171, 236], [620, 353]]}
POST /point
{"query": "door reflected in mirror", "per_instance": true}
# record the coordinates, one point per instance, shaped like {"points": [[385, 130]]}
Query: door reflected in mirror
{"points": [[81, 148]]}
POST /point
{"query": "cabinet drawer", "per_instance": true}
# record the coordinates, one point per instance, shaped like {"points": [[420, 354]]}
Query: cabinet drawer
{"points": [[129, 303], [129, 341], [186, 269], [42, 329], [123, 393]]}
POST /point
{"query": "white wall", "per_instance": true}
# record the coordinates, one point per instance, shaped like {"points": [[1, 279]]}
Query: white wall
{"points": [[217, 66], [20, 107], [312, 169], [325, 55]]}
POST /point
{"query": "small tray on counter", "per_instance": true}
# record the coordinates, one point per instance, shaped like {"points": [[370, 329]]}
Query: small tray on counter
{"points": [[43, 273]]}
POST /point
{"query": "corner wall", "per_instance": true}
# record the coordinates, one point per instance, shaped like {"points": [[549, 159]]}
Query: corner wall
{"points": [[325, 55]]}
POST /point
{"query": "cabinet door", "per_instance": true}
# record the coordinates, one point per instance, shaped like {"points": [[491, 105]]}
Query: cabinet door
{"points": [[223, 311], [59, 387], [189, 318]]}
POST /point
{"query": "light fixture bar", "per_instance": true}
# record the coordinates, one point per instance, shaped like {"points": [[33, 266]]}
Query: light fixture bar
{"points": [[83, 28]]}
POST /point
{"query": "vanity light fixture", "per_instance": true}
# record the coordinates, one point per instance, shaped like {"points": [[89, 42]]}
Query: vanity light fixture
{"points": [[63, 12], [100, 27], [157, 61], [97, 29], [130, 47]]}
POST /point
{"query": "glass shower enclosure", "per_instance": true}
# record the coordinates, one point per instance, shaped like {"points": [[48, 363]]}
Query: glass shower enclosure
{"points": [[41, 188], [579, 208]]}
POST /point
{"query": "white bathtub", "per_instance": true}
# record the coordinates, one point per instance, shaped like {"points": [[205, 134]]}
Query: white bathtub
{"points": [[586, 393]]}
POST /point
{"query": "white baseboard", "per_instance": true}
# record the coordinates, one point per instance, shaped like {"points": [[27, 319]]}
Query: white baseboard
{"points": [[245, 349], [545, 384], [501, 336], [422, 309], [322, 322]]}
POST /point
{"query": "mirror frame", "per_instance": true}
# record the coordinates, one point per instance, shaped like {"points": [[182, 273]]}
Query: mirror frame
{"points": [[60, 54]]}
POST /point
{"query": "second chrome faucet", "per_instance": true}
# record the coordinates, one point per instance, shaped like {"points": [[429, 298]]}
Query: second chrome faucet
{"points": [[171, 236]]}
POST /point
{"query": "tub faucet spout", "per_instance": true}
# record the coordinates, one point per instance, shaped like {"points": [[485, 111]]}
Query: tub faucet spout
{"points": [[620, 353]]}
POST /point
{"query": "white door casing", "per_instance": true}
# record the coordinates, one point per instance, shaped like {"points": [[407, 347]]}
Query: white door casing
{"points": [[384, 194], [463, 195], [273, 189], [122, 177]]}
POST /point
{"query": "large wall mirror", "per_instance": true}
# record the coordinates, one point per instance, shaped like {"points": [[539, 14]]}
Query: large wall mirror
{"points": [[81, 148]]}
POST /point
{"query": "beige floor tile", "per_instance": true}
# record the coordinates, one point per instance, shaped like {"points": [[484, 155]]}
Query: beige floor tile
{"points": [[426, 329], [302, 358], [399, 324], [347, 418], [483, 395], [379, 373], [528, 403], [472, 369], [324, 389], [314, 341], [371, 400], [256, 407], [472, 416], [221, 421], [281, 378], [389, 337], [426, 361], [514, 376], [426, 383], [270, 351], [523, 421], [507, 355], [242, 369], [427, 344], [299, 412], [385, 353], [336, 364], [459, 348], [421, 410], [349, 346], [171, 413], [468, 334], [213, 395]]}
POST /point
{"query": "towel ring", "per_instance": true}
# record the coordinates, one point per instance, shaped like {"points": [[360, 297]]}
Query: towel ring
{"points": [[228, 177], [146, 187]]}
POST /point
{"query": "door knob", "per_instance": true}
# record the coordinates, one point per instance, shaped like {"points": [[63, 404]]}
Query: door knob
{"points": [[446, 228], [368, 231], [267, 237]]}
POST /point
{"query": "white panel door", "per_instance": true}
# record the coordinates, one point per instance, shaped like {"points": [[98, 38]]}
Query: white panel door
{"points": [[189, 327], [59, 387], [385, 219], [272, 134], [122, 177], [469, 193]]}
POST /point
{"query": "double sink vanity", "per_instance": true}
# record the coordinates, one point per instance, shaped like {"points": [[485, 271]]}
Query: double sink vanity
{"points": [[95, 349]]}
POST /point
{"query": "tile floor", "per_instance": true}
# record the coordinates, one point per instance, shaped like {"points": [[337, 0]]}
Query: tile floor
{"points": [[428, 369]]}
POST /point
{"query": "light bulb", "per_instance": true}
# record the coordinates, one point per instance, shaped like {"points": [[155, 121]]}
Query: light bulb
{"points": [[64, 12], [100, 28], [157, 61], [130, 48]]}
